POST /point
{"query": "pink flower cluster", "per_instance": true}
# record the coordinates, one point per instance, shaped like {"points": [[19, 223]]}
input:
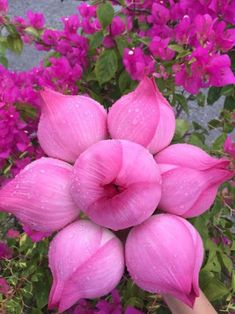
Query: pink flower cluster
{"points": [[103, 307], [202, 31], [119, 170]]}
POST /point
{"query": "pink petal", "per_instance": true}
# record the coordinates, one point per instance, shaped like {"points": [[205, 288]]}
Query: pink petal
{"points": [[116, 183], [70, 124], [190, 156], [39, 195], [189, 192], [86, 262], [166, 126], [172, 252], [135, 116]]}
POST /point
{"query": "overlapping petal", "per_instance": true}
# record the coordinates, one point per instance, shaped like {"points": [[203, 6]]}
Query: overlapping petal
{"points": [[39, 195], [86, 261], [143, 116], [116, 183], [190, 156], [70, 124], [164, 255], [190, 179]]}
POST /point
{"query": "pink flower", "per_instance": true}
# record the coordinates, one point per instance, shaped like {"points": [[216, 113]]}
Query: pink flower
{"points": [[229, 145], [5, 251], [127, 117], [39, 195], [116, 183], [190, 179], [224, 38], [3, 6], [36, 19], [35, 236], [4, 286], [89, 269], [159, 14], [71, 23], [105, 307], [164, 255], [81, 121], [137, 64], [50, 37], [159, 48], [87, 10], [12, 234], [205, 70], [117, 26]]}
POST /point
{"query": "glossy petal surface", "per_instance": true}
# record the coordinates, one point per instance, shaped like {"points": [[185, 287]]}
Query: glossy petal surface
{"points": [[39, 195], [171, 251], [86, 261], [70, 124], [116, 183], [135, 116]]}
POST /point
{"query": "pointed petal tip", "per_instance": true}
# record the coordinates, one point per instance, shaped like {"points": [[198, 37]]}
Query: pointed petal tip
{"points": [[188, 299]]}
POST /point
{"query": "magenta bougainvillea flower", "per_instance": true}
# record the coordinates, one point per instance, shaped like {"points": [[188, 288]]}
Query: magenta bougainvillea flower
{"points": [[229, 145], [156, 239], [35, 236], [4, 286], [5, 251], [102, 164]]}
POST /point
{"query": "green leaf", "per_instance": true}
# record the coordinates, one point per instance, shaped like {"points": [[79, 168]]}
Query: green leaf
{"points": [[32, 31], [121, 44], [181, 101], [201, 99], [213, 95], [195, 139], [96, 40], [200, 223], [41, 290], [227, 90], [233, 281], [176, 48], [227, 262], [214, 123], [124, 81], [106, 66], [105, 13], [215, 290], [229, 103], [4, 61], [182, 126], [218, 143], [15, 43]]}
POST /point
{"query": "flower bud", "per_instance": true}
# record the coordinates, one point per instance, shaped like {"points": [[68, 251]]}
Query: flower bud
{"points": [[164, 255], [190, 179], [70, 124], [143, 116], [86, 261], [39, 195]]}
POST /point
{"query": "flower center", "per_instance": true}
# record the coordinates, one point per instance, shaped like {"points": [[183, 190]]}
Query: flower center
{"points": [[112, 189]]}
